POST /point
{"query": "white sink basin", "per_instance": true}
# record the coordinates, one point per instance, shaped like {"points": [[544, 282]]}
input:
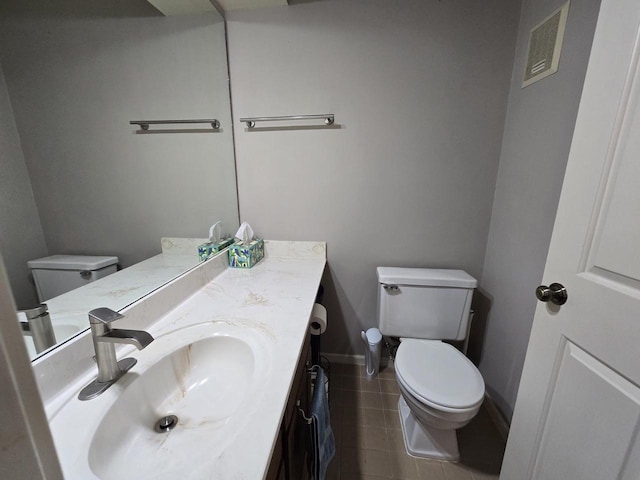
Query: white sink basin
{"points": [[210, 376]]}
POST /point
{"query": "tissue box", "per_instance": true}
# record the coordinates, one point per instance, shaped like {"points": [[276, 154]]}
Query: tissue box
{"points": [[246, 256], [208, 249]]}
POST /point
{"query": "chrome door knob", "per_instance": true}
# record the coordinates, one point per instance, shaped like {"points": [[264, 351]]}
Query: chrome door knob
{"points": [[554, 293]]}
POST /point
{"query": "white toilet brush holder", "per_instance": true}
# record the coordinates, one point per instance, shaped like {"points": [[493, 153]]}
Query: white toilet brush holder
{"points": [[372, 340]]}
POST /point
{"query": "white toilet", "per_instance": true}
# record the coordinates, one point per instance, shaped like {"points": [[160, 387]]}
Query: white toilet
{"points": [[60, 274], [441, 389]]}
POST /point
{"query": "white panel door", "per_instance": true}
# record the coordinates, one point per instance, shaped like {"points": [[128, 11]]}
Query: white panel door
{"points": [[577, 416]]}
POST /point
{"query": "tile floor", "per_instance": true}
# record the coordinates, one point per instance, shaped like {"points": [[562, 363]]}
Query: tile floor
{"points": [[369, 443]]}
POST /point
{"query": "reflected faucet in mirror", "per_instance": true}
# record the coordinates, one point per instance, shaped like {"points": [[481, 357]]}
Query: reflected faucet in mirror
{"points": [[104, 337], [78, 178], [38, 326]]}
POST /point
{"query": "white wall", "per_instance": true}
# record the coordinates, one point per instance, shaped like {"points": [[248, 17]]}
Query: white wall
{"points": [[77, 73], [419, 92], [20, 229], [537, 137]]}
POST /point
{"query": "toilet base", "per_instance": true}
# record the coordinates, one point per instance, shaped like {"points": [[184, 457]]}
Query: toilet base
{"points": [[424, 442]]}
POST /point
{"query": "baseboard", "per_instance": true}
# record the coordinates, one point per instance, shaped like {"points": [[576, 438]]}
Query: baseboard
{"points": [[342, 358], [496, 416], [354, 359]]}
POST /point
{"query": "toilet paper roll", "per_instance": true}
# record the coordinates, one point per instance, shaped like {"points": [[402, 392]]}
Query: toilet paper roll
{"points": [[318, 320]]}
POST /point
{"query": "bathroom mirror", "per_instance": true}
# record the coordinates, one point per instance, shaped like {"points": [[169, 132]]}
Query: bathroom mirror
{"points": [[77, 177]]}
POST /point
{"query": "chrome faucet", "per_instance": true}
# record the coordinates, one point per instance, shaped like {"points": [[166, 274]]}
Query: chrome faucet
{"points": [[104, 337]]}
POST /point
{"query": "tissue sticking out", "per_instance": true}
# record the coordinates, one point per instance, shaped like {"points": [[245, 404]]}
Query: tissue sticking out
{"points": [[248, 249], [215, 243], [214, 232], [244, 235]]}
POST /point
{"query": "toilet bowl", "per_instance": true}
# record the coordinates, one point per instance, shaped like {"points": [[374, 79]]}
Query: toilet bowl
{"points": [[441, 391]]}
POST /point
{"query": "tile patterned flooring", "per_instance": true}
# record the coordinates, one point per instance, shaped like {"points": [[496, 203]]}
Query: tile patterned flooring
{"points": [[369, 443]]}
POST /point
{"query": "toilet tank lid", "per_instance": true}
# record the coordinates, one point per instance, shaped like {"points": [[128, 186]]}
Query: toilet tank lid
{"points": [[432, 277], [73, 262]]}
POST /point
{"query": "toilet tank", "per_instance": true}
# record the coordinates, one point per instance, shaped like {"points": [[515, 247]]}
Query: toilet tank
{"points": [[60, 274], [424, 302]]}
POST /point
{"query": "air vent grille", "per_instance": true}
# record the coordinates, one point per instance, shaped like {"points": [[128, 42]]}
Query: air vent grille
{"points": [[545, 44]]}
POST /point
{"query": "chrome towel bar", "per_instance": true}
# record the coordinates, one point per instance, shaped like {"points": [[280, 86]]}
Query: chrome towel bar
{"points": [[251, 121], [144, 124]]}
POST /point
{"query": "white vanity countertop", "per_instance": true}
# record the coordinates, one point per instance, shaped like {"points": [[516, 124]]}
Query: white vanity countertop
{"points": [[69, 311], [276, 297]]}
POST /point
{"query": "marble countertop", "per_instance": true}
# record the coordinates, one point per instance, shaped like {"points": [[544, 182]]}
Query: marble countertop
{"points": [[69, 311], [276, 296]]}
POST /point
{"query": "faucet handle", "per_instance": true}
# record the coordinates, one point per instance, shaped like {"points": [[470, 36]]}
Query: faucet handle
{"points": [[103, 315]]}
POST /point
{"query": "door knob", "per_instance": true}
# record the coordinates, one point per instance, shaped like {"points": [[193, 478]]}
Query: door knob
{"points": [[554, 293]]}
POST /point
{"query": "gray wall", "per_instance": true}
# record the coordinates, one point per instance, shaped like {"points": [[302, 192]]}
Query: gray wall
{"points": [[419, 91], [20, 229], [77, 73], [537, 137], [26, 446]]}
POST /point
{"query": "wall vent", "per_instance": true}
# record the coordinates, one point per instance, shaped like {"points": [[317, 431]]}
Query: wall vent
{"points": [[545, 44]]}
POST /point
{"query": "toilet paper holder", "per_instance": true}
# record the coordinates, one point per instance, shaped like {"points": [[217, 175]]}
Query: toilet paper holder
{"points": [[318, 320]]}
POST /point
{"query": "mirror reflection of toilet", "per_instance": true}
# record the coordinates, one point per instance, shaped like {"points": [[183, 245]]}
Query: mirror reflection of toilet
{"points": [[441, 389], [60, 274]]}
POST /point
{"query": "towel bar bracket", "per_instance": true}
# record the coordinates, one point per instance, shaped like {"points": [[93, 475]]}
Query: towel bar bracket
{"points": [[312, 368], [302, 414]]}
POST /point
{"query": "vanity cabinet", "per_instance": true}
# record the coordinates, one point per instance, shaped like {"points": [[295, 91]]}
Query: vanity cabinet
{"points": [[289, 458]]}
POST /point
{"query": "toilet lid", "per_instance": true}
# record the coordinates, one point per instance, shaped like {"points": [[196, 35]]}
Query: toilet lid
{"points": [[438, 373]]}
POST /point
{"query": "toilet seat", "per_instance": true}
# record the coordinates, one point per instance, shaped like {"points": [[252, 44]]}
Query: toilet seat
{"points": [[439, 375]]}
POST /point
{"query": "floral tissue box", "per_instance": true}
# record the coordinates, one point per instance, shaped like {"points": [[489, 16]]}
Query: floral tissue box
{"points": [[209, 249], [246, 256]]}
